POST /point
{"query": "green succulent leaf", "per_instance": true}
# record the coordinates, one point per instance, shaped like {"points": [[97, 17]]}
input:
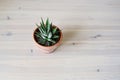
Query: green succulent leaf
{"points": [[48, 26], [51, 40], [41, 41], [40, 30], [37, 35], [42, 25], [47, 21], [43, 37], [50, 35], [55, 36], [54, 30], [37, 25], [42, 22], [47, 34]]}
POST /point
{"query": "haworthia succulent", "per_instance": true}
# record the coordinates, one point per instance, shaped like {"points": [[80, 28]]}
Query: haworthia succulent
{"points": [[47, 35]]}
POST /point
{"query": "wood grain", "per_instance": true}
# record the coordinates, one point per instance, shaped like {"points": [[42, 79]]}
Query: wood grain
{"points": [[91, 40]]}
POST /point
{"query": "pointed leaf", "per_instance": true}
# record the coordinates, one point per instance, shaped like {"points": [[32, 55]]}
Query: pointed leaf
{"points": [[37, 33], [47, 25], [43, 30], [42, 22], [50, 35], [42, 26], [56, 36], [51, 40], [54, 30], [40, 30], [44, 35], [47, 21], [41, 41], [37, 25]]}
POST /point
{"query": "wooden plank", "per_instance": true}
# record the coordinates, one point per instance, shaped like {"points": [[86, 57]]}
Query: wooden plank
{"points": [[91, 40]]}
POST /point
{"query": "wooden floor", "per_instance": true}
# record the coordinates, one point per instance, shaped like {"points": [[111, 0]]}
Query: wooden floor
{"points": [[91, 44]]}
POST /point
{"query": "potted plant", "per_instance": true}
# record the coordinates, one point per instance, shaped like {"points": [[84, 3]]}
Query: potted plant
{"points": [[47, 36]]}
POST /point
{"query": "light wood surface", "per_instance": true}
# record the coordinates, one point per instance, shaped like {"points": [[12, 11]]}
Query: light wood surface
{"points": [[91, 44]]}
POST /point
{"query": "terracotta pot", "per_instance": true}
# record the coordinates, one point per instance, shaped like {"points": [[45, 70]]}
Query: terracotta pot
{"points": [[48, 49]]}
